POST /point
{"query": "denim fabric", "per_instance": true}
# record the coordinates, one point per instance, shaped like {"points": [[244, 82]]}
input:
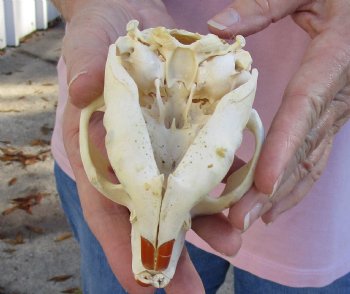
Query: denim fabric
{"points": [[246, 283], [96, 275]]}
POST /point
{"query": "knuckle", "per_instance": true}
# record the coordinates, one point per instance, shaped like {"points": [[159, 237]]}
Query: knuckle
{"points": [[267, 9], [270, 9], [263, 6], [293, 143], [317, 105]]}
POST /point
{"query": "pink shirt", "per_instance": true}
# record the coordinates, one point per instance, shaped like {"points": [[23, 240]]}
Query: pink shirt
{"points": [[308, 246]]}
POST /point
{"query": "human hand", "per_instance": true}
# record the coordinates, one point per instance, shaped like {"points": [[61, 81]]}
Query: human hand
{"points": [[86, 43], [315, 105], [91, 29]]}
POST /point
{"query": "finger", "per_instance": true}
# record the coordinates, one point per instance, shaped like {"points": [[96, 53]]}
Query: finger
{"points": [[156, 16], [97, 132], [301, 189], [218, 232], [237, 163], [112, 229], [110, 224], [85, 48], [305, 100], [186, 278], [309, 154], [70, 132], [247, 210], [245, 17]]}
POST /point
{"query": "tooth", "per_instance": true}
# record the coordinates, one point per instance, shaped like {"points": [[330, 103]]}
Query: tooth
{"points": [[188, 106], [147, 254], [160, 103], [164, 255]]}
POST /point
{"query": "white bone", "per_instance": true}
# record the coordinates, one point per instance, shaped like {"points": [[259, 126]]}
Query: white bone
{"points": [[176, 104]]}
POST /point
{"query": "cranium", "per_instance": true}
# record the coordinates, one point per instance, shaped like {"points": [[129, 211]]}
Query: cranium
{"points": [[176, 104]]}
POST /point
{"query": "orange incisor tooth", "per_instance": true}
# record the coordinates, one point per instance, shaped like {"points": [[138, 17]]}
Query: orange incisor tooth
{"points": [[163, 255], [147, 254], [156, 260]]}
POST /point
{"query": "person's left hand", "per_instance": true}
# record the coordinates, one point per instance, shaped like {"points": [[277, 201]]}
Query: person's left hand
{"points": [[315, 105]]}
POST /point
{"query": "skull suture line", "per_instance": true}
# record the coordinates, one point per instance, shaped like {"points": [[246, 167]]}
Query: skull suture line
{"points": [[176, 104]]}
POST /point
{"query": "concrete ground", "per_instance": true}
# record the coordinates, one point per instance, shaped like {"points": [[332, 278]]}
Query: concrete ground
{"points": [[37, 253]]}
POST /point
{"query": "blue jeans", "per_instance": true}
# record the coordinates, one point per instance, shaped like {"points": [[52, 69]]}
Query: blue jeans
{"points": [[97, 277]]}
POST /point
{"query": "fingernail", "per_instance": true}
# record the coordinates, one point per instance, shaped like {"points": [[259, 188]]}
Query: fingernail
{"points": [[267, 206], [252, 215], [76, 76], [276, 185], [225, 19]]}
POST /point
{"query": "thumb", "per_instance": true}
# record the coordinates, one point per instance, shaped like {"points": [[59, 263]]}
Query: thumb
{"points": [[246, 17], [85, 48]]}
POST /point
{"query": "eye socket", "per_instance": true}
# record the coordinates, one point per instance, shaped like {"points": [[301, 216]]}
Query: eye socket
{"points": [[124, 54], [184, 39]]}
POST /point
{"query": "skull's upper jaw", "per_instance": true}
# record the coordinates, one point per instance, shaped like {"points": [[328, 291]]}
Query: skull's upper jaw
{"points": [[171, 134], [155, 264]]}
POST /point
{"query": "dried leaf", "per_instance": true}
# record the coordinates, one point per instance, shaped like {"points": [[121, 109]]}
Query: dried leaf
{"points": [[30, 161], [45, 99], [21, 97], [61, 278], [47, 84], [33, 229], [26, 38], [29, 82], [11, 154], [5, 142], [63, 237], [9, 251], [18, 240], [9, 210], [72, 291], [9, 110], [12, 181], [45, 129], [39, 142], [25, 203]]}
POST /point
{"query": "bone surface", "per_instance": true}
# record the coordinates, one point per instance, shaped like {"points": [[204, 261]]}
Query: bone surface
{"points": [[176, 104]]}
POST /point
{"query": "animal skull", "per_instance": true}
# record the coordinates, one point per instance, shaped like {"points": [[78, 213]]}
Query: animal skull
{"points": [[176, 104]]}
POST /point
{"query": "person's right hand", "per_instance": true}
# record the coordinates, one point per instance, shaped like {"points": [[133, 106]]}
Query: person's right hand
{"points": [[315, 105], [90, 31]]}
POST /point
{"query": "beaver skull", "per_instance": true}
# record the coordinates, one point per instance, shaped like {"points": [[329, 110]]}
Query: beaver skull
{"points": [[176, 104]]}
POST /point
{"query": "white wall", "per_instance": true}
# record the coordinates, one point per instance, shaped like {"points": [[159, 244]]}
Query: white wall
{"points": [[45, 12], [22, 17], [2, 25]]}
